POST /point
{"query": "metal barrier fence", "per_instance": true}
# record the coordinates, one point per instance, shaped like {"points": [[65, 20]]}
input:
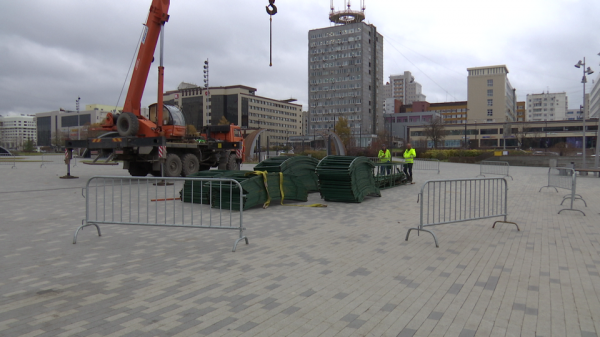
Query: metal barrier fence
{"points": [[458, 200], [565, 178], [494, 167], [389, 174], [8, 159], [156, 201], [375, 159], [426, 164], [418, 164]]}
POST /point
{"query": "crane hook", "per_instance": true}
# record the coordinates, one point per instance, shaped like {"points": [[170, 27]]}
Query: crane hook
{"points": [[273, 9]]}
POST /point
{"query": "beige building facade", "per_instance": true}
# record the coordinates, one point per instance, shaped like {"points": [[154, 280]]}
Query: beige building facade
{"points": [[491, 98], [528, 134]]}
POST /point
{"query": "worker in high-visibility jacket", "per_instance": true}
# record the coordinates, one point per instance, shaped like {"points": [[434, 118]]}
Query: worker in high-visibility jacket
{"points": [[409, 155], [385, 156]]}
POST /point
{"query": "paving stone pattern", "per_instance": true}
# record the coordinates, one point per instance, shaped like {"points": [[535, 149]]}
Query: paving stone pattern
{"points": [[344, 270]]}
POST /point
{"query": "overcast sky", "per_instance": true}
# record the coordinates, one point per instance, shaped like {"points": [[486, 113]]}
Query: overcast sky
{"points": [[55, 51]]}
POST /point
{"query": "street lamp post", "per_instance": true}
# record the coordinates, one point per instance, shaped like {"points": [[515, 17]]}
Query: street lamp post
{"points": [[466, 120], [78, 123], [597, 139], [587, 71], [207, 91]]}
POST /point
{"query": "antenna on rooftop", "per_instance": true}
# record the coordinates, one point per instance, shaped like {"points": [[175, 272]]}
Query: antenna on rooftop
{"points": [[347, 15]]}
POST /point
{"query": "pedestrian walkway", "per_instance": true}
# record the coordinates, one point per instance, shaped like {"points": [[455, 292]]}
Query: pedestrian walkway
{"points": [[344, 270]]}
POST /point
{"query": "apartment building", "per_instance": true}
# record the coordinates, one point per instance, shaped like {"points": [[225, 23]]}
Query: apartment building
{"points": [[490, 96], [405, 88], [16, 130], [547, 107]]}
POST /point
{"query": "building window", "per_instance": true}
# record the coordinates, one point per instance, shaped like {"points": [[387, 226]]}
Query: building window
{"points": [[490, 102], [490, 92], [490, 112], [490, 83]]}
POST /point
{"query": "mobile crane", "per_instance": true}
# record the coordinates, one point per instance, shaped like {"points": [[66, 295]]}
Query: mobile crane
{"points": [[143, 144]]}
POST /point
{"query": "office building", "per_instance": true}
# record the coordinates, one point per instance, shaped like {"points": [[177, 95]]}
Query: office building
{"points": [[238, 104], [491, 98], [54, 127], [421, 113], [345, 75]]}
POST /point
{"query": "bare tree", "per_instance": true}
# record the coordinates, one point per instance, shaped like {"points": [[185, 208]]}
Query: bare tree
{"points": [[435, 131], [343, 131], [223, 121]]}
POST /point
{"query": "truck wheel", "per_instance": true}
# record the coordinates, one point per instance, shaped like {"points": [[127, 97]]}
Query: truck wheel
{"points": [[191, 164], [173, 166], [127, 124], [138, 169], [231, 163]]}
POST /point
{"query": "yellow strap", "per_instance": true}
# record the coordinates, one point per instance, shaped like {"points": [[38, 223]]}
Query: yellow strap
{"points": [[264, 175], [266, 204]]}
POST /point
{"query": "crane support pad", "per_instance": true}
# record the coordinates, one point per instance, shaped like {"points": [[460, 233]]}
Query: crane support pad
{"points": [[115, 143]]}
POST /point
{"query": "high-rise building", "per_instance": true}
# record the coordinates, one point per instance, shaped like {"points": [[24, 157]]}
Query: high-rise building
{"points": [[16, 130], [490, 96], [547, 107], [404, 88], [345, 75]]}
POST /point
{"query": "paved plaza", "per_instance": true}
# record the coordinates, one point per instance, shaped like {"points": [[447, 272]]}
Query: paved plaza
{"points": [[344, 270]]}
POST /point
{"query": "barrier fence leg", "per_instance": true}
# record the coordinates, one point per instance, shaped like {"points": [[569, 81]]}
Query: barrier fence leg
{"points": [[242, 237], [84, 224], [573, 197], [514, 223], [424, 230]]}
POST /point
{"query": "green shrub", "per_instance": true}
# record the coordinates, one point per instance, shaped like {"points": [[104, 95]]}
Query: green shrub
{"points": [[315, 154], [451, 153]]}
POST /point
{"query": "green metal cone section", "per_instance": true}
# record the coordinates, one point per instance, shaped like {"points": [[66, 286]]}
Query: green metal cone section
{"points": [[221, 195], [346, 179], [301, 167]]}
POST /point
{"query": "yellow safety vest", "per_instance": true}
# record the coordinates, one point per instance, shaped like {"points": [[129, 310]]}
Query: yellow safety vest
{"points": [[409, 155], [385, 156]]}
